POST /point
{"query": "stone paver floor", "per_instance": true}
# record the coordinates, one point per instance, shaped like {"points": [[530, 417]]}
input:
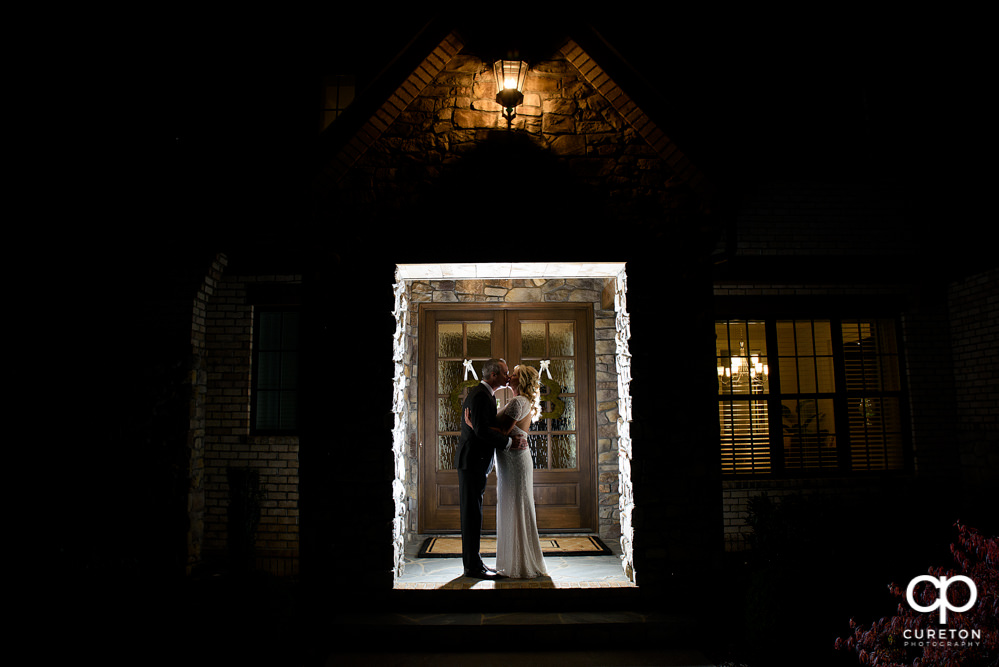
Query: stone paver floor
{"points": [[563, 572]]}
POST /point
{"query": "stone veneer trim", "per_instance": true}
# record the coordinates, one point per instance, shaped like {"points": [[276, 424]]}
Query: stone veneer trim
{"points": [[405, 411]]}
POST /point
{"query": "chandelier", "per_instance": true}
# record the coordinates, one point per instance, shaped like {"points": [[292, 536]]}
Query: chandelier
{"points": [[743, 367]]}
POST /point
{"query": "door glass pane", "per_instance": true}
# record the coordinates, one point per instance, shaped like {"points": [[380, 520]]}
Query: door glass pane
{"points": [[567, 422], [447, 448], [532, 340], [479, 339], [562, 339], [456, 341], [539, 450], [449, 339], [448, 418], [564, 373], [563, 451], [449, 375]]}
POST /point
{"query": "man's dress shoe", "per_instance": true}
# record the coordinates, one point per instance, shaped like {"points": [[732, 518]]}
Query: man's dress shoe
{"points": [[482, 574]]}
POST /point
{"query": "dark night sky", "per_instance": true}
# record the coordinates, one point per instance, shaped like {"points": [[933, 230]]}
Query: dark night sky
{"points": [[800, 86], [765, 94], [821, 95]]}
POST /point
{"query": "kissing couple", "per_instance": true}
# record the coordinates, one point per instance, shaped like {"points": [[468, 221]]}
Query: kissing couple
{"points": [[483, 433]]}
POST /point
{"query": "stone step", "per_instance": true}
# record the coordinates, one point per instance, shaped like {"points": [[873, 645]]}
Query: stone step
{"points": [[512, 631], [511, 600]]}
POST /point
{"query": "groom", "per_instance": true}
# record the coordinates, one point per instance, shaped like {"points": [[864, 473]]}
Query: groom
{"points": [[475, 458]]}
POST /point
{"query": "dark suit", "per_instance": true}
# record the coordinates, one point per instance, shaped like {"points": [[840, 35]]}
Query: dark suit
{"points": [[475, 456]]}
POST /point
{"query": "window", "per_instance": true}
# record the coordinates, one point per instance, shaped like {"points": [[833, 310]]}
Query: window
{"points": [[275, 371], [338, 93], [805, 396]]}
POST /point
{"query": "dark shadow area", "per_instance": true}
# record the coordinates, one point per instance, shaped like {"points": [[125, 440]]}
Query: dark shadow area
{"points": [[507, 192], [817, 562]]}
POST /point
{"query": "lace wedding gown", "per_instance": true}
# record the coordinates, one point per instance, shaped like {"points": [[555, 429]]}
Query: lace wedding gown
{"points": [[518, 550]]}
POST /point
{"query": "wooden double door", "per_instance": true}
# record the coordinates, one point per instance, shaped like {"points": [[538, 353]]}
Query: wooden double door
{"points": [[562, 443]]}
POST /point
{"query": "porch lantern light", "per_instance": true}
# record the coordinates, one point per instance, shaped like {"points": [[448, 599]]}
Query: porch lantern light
{"points": [[510, 76]]}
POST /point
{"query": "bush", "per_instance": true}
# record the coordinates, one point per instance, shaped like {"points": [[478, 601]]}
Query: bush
{"points": [[791, 545], [788, 532]]}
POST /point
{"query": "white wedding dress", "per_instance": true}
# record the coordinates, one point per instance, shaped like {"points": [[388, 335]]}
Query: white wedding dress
{"points": [[518, 549]]}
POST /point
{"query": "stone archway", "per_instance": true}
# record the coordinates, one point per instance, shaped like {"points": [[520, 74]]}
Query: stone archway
{"points": [[405, 431]]}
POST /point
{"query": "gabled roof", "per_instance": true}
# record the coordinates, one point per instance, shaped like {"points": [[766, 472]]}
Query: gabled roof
{"points": [[347, 141]]}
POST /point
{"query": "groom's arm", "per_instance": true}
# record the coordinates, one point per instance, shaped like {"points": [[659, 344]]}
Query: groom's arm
{"points": [[482, 422]]}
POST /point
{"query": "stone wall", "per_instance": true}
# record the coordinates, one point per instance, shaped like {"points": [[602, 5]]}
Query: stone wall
{"points": [[626, 488], [584, 290], [582, 143]]}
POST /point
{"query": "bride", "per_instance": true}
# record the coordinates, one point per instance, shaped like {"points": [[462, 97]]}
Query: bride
{"points": [[518, 549]]}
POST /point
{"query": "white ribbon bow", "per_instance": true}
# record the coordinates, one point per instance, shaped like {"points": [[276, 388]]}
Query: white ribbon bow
{"points": [[468, 367], [545, 369]]}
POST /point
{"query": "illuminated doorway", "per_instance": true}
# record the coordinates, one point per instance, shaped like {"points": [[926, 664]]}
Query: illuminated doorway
{"points": [[613, 436]]}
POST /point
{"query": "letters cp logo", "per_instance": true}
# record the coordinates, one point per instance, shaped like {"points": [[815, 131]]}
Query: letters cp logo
{"points": [[941, 585]]}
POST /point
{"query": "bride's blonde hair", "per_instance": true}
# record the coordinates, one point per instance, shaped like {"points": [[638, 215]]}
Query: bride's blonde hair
{"points": [[530, 387]]}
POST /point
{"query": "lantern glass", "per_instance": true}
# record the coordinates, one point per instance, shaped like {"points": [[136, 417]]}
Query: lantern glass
{"points": [[510, 75]]}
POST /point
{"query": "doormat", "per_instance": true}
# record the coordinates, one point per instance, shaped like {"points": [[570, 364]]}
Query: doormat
{"points": [[551, 545]]}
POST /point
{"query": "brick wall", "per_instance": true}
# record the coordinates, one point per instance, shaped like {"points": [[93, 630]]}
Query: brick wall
{"points": [[736, 493], [788, 220], [199, 390], [822, 219], [929, 377], [227, 435], [925, 343], [864, 495], [974, 330], [948, 337]]}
